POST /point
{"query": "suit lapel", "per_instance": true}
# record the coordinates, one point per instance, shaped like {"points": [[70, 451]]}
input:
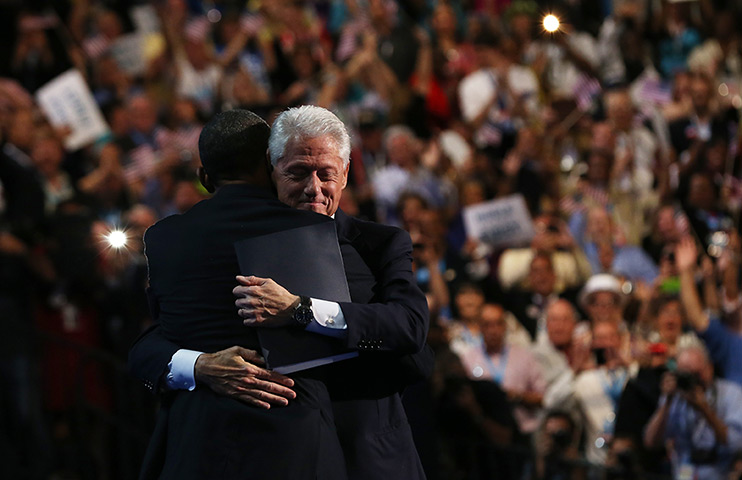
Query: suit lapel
{"points": [[361, 280]]}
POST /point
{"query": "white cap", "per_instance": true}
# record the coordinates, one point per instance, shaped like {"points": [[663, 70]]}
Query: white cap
{"points": [[602, 282]]}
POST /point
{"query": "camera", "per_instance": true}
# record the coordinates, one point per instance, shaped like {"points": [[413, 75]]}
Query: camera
{"points": [[686, 381], [600, 357], [561, 439]]}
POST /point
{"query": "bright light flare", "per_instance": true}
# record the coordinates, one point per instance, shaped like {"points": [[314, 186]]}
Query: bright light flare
{"points": [[551, 23], [116, 239]]}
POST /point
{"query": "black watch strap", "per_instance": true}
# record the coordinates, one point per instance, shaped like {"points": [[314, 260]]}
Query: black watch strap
{"points": [[303, 314]]}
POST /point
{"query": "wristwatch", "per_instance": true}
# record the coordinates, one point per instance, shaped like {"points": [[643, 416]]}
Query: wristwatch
{"points": [[303, 314]]}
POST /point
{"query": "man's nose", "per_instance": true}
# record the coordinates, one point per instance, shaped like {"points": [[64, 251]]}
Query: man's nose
{"points": [[313, 185]]}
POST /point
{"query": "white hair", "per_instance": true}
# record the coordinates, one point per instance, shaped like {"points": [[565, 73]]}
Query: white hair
{"points": [[397, 131], [307, 121], [697, 347]]}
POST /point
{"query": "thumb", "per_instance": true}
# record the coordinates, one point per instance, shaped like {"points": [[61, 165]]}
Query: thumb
{"points": [[250, 356]]}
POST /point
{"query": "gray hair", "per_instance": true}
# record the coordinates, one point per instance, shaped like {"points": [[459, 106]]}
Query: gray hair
{"points": [[397, 131], [697, 347], [307, 121]]}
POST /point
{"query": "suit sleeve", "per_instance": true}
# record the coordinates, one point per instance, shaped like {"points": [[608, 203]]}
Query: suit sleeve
{"points": [[397, 319], [151, 352], [149, 357]]}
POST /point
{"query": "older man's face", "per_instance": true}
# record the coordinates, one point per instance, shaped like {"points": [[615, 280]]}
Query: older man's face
{"points": [[311, 175]]}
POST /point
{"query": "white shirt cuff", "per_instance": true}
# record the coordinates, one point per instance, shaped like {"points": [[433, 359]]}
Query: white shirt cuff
{"points": [[328, 319], [181, 370]]}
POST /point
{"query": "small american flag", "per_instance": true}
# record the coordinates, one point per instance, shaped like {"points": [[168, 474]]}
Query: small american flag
{"points": [[586, 90], [734, 191], [568, 205], [185, 138], [95, 46], [488, 134], [197, 29], [251, 23], [655, 91], [143, 161], [348, 42], [681, 222], [596, 194]]}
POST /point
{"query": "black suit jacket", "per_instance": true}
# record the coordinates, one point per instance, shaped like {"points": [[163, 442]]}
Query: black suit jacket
{"points": [[387, 318], [199, 435]]}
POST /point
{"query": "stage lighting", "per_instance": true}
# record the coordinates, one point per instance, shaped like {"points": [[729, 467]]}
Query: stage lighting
{"points": [[116, 239], [551, 23]]}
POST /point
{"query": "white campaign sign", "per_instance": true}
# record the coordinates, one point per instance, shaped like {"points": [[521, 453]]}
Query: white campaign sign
{"points": [[502, 222], [67, 102], [128, 52]]}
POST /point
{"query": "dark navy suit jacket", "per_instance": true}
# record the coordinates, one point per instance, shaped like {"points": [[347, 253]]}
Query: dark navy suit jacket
{"points": [[199, 435], [387, 322]]}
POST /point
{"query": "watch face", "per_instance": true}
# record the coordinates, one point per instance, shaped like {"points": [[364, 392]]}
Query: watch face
{"points": [[304, 315]]}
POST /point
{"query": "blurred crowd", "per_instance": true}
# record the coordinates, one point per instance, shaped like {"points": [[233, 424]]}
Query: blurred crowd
{"points": [[610, 346]]}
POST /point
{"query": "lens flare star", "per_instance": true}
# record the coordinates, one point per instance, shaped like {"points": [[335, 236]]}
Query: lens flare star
{"points": [[116, 239], [551, 23]]}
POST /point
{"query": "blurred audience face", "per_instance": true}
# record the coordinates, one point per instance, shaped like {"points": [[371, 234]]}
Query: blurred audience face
{"points": [[198, 53], [522, 26], [694, 362], [670, 321], [472, 192], [311, 175], [47, 156], [599, 225], [603, 137], [443, 20], [620, 110], [700, 91], [701, 193], [560, 323], [607, 337], [528, 143], [666, 226], [184, 111], [541, 275], [604, 306], [599, 167], [411, 207], [22, 129], [493, 327], [469, 304], [142, 114], [402, 150], [109, 24]]}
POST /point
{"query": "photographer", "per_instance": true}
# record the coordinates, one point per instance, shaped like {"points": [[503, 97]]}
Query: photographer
{"points": [[724, 345], [556, 448], [698, 417]]}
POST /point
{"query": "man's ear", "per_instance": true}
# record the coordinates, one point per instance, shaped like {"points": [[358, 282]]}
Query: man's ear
{"points": [[203, 177], [345, 175], [268, 160]]}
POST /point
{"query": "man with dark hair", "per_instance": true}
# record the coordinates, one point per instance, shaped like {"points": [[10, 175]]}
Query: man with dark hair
{"points": [[192, 266], [232, 137]]}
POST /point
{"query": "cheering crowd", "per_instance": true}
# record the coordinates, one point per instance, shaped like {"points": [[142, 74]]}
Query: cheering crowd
{"points": [[608, 345]]}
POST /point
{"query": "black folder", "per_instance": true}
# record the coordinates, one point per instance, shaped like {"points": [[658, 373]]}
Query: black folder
{"points": [[305, 261]]}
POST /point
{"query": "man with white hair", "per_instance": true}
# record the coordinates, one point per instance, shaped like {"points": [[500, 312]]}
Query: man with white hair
{"points": [[309, 150], [698, 416]]}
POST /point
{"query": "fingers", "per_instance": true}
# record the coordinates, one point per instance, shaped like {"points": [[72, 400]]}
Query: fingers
{"points": [[268, 391], [251, 280], [259, 398], [249, 302], [277, 379]]}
